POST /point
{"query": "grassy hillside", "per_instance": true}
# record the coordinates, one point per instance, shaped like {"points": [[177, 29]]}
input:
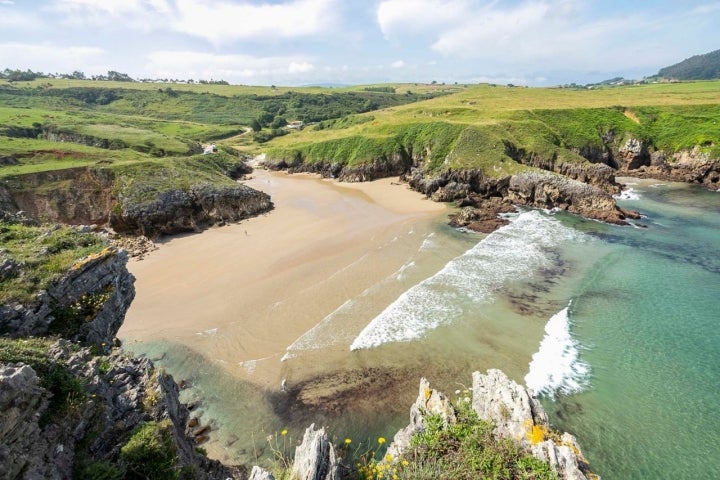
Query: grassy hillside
{"points": [[474, 127]]}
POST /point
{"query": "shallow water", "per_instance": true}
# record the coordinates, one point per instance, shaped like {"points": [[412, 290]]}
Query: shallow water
{"points": [[615, 326]]}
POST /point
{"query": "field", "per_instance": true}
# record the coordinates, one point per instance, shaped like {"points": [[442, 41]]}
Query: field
{"points": [[51, 124], [473, 127]]}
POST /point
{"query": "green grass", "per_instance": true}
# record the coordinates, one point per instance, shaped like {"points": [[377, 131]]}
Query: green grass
{"points": [[472, 128], [44, 255], [150, 454]]}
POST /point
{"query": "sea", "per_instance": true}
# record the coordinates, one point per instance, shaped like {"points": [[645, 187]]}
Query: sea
{"points": [[616, 328]]}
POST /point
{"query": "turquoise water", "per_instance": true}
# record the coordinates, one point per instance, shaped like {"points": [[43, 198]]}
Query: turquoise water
{"points": [[646, 317], [616, 327]]}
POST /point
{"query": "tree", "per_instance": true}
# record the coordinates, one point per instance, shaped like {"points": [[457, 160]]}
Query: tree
{"points": [[255, 125]]}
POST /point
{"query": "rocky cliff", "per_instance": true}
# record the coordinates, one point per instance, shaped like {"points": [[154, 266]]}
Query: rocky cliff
{"points": [[175, 210], [93, 196], [78, 407], [100, 279], [688, 166]]}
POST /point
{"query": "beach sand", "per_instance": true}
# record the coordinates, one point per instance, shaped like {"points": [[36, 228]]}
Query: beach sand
{"points": [[239, 295]]}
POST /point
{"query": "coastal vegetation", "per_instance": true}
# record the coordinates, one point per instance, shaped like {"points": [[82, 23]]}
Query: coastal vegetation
{"points": [[697, 67]]}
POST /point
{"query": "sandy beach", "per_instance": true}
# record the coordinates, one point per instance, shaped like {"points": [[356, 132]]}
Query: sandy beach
{"points": [[241, 294]]}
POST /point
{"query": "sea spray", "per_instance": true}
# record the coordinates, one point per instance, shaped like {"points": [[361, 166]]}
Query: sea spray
{"points": [[513, 252], [556, 367]]}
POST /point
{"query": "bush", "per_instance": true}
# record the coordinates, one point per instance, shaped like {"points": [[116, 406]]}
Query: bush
{"points": [[149, 454]]}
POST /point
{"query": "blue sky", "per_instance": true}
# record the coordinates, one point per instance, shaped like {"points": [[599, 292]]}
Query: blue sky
{"points": [[298, 42]]}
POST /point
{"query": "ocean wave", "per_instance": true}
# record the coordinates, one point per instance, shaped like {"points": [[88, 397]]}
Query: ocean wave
{"points": [[627, 194], [512, 252], [556, 367]]}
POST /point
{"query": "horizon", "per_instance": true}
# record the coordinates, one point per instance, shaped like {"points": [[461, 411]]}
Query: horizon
{"points": [[297, 43]]}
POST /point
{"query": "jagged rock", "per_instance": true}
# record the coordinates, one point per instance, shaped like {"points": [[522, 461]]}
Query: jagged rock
{"points": [[381, 167], [428, 402], [22, 401], [102, 272], [516, 414], [258, 473], [451, 191], [136, 246], [548, 190], [483, 215], [508, 405], [315, 457], [8, 267], [563, 458], [688, 166], [176, 211], [632, 155], [121, 396]]}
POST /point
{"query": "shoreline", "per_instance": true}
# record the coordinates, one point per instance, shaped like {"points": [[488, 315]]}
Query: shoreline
{"points": [[320, 231]]}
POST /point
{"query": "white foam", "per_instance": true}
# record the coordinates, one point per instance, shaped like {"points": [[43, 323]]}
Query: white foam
{"points": [[556, 367], [512, 252], [208, 333], [428, 243], [627, 194]]}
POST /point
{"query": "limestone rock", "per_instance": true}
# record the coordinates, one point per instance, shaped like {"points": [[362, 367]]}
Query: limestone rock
{"points": [[508, 405], [632, 155], [548, 190], [22, 401], [516, 413], [428, 402], [176, 211], [315, 457], [258, 473], [102, 272]]}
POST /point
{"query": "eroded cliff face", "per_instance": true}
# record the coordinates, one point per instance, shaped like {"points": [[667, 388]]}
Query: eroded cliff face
{"points": [[103, 276], [113, 396], [121, 394], [91, 196], [687, 166], [74, 196], [176, 211]]}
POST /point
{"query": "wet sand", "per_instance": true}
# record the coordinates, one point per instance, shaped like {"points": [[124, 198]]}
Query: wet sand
{"points": [[239, 295]]}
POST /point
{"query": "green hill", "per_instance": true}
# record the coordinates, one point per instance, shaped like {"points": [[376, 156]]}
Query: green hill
{"points": [[698, 67]]}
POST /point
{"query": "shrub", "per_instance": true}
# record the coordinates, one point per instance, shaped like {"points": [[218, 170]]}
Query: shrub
{"points": [[149, 454]]}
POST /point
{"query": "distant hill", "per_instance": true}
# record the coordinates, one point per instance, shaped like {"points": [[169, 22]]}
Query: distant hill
{"points": [[698, 67]]}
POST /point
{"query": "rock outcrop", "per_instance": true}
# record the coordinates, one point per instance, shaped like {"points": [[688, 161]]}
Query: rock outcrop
{"points": [[121, 393], [315, 457], [516, 414], [21, 401], [547, 190], [381, 167], [104, 275], [428, 402], [176, 211]]}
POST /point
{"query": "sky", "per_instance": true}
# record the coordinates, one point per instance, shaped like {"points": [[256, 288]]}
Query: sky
{"points": [[306, 42]]}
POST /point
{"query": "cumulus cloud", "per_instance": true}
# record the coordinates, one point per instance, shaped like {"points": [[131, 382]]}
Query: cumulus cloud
{"points": [[240, 68], [418, 16], [528, 35], [218, 21], [49, 58], [224, 22]]}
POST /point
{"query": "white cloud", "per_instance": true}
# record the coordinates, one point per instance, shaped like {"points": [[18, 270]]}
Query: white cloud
{"points": [[398, 64], [50, 58], [418, 16], [223, 22], [237, 68], [300, 67], [525, 36]]}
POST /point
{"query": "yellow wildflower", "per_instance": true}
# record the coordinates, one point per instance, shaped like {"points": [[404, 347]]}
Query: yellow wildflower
{"points": [[283, 432], [381, 440], [388, 458], [348, 441]]}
